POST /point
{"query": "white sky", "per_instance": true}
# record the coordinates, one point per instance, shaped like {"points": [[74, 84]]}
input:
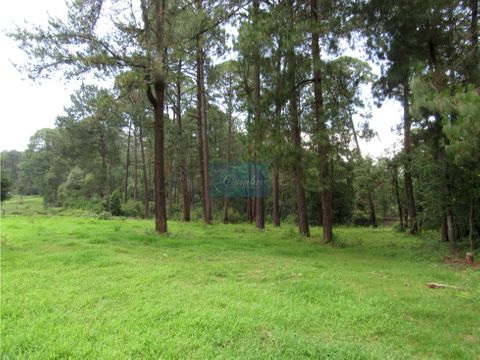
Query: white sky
{"points": [[27, 106]]}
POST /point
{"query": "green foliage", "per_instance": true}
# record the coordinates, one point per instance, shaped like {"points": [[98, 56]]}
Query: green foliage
{"points": [[115, 203], [5, 187], [10, 162], [132, 208], [397, 228]]}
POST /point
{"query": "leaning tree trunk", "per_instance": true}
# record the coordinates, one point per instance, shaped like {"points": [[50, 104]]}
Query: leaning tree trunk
{"points": [[323, 146], [411, 209]]}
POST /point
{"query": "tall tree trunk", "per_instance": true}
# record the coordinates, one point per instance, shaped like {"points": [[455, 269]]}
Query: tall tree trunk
{"points": [[125, 188], [259, 195], [452, 238], [159, 136], [439, 156], [200, 144], [371, 204], [102, 149], [470, 223], [411, 209], [135, 164], [249, 200], [146, 197], [302, 217], [474, 26], [170, 176], [204, 127], [323, 146], [276, 198], [396, 191], [229, 155], [373, 215], [181, 149]]}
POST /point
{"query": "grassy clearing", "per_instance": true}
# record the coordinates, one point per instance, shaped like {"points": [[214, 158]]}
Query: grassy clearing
{"points": [[81, 288]]}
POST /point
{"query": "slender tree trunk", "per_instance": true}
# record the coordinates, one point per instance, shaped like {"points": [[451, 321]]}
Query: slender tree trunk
{"points": [[146, 178], [302, 218], [440, 158], [323, 146], [373, 215], [249, 203], [135, 164], [200, 143], [203, 128], [396, 191], [170, 183], [125, 188], [470, 223], [371, 204], [259, 196], [474, 26], [452, 238], [102, 148], [181, 149], [411, 209], [276, 198], [159, 136], [229, 156]]}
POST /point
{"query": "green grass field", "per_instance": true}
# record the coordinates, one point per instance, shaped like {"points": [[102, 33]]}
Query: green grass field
{"points": [[85, 288]]}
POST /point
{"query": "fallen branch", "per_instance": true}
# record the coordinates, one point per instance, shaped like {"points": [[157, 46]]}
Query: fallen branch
{"points": [[443, 286]]}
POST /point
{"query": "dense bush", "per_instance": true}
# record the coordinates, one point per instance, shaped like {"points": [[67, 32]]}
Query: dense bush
{"points": [[133, 208], [115, 203]]}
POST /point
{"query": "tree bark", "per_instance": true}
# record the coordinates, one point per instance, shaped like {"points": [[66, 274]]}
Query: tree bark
{"points": [[474, 26], [125, 188], [200, 142], [159, 136], [146, 197], [411, 209], [181, 149], [102, 149], [259, 195], [249, 200], [396, 191], [202, 103], [302, 217], [470, 224], [229, 155], [323, 146], [373, 215], [135, 164], [452, 238], [276, 198], [170, 183]]}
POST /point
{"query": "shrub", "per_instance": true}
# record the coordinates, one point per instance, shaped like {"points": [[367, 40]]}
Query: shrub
{"points": [[396, 227], [133, 208], [115, 203]]}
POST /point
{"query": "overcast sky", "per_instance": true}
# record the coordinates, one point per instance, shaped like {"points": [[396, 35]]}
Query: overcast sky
{"points": [[27, 106]]}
